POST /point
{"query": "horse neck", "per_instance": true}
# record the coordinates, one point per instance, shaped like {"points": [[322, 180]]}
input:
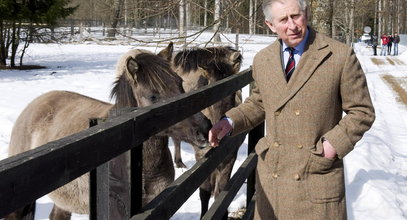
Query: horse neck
{"points": [[156, 155], [219, 109]]}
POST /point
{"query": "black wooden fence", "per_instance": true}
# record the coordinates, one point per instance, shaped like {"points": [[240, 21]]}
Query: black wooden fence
{"points": [[32, 174]]}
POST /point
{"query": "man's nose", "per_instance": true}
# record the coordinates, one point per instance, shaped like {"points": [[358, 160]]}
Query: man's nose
{"points": [[291, 23]]}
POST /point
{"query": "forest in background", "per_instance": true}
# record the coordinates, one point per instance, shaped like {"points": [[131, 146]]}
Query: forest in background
{"points": [[344, 20]]}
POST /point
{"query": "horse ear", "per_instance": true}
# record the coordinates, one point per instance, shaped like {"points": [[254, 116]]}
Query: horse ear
{"points": [[131, 68], [205, 73], [167, 52], [236, 59]]}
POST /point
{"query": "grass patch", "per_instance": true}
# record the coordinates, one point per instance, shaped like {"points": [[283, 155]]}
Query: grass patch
{"points": [[390, 61], [398, 61], [377, 61], [395, 84]]}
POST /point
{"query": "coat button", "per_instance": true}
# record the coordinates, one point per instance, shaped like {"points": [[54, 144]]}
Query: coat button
{"points": [[300, 146], [297, 177], [277, 113], [297, 112], [274, 175], [276, 144]]}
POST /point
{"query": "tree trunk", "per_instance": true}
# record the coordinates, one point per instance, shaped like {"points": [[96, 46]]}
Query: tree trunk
{"points": [[385, 17], [322, 12], [118, 5], [251, 17], [188, 15], [349, 21], [15, 41], [3, 51], [255, 17], [352, 21], [206, 13], [30, 33], [380, 19], [403, 17], [390, 13], [375, 19], [216, 27], [182, 24], [334, 34]]}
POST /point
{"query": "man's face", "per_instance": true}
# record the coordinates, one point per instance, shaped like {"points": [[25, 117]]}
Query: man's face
{"points": [[288, 21]]}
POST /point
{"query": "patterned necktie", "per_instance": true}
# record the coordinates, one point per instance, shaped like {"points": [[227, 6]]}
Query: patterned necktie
{"points": [[289, 69]]}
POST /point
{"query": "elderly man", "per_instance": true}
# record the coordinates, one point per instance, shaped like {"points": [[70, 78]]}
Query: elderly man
{"points": [[305, 82]]}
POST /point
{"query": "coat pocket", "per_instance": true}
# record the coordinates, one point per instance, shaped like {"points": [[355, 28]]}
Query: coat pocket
{"points": [[325, 179]]}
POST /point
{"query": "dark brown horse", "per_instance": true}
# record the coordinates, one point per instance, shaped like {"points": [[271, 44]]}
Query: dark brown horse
{"points": [[143, 78], [199, 67]]}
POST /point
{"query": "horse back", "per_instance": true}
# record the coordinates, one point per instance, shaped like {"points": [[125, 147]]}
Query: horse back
{"points": [[52, 116]]}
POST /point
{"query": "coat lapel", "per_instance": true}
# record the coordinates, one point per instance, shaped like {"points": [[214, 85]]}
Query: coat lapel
{"points": [[313, 56], [277, 76]]}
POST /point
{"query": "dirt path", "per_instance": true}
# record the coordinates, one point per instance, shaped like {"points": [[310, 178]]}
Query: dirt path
{"points": [[397, 84], [389, 60]]}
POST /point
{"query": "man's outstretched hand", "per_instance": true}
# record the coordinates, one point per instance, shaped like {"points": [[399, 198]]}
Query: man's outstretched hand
{"points": [[218, 131]]}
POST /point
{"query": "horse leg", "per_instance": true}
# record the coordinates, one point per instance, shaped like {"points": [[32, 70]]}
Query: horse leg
{"points": [[204, 195], [177, 154], [221, 175], [25, 213], [59, 214]]}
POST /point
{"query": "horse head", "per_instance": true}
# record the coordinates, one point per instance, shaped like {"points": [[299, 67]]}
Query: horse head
{"points": [[202, 66], [144, 78]]}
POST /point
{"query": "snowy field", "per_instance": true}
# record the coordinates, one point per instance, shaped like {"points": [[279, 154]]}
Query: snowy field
{"points": [[376, 171]]}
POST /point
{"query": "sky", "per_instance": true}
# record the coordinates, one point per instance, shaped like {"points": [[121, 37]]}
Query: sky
{"points": [[375, 171]]}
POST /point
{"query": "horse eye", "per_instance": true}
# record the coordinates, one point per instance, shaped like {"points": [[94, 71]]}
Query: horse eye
{"points": [[153, 98], [202, 81]]}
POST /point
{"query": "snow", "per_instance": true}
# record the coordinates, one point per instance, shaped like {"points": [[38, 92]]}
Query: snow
{"points": [[375, 171]]}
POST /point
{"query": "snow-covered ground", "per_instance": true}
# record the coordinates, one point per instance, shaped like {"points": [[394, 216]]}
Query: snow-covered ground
{"points": [[376, 171]]}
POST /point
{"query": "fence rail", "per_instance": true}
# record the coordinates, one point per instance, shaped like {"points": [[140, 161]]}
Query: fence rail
{"points": [[32, 174]]}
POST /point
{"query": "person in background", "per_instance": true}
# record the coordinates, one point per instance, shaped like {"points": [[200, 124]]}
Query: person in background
{"points": [[389, 44], [304, 83], [396, 41], [374, 45], [385, 40]]}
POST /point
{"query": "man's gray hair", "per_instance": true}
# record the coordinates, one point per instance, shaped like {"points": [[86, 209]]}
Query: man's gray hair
{"points": [[267, 5]]}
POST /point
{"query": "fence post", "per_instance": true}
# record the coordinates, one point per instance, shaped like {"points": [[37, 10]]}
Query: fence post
{"points": [[116, 186], [96, 188]]}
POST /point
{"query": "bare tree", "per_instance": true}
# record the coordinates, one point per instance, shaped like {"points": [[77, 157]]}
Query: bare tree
{"points": [[322, 12], [380, 17], [182, 24], [217, 21], [251, 22], [206, 13], [350, 6], [117, 11]]}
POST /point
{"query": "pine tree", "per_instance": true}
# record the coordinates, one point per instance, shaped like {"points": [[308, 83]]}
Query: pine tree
{"points": [[18, 17]]}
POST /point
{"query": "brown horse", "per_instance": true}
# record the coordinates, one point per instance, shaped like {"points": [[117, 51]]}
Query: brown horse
{"points": [[199, 67], [143, 78]]}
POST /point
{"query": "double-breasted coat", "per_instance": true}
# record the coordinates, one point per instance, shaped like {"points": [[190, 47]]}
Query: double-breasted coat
{"points": [[327, 96]]}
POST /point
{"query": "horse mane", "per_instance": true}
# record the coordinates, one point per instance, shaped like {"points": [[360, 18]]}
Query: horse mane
{"points": [[153, 72], [211, 58], [192, 58]]}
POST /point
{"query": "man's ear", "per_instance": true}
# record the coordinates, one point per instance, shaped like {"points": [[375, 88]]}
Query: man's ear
{"points": [[271, 26]]}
